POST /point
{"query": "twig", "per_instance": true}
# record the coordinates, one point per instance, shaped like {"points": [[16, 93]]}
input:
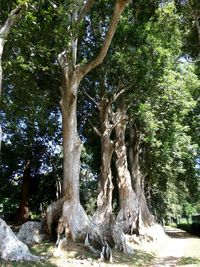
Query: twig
{"points": [[91, 98]]}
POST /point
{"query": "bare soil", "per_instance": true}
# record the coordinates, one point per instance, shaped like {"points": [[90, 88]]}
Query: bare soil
{"points": [[181, 249]]}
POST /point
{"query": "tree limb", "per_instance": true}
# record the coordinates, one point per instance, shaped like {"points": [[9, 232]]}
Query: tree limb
{"points": [[95, 129], [89, 247], [118, 93], [118, 9], [12, 19], [86, 7], [91, 98]]}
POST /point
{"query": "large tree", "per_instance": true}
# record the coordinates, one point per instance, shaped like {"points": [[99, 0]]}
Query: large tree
{"points": [[145, 77], [72, 212]]}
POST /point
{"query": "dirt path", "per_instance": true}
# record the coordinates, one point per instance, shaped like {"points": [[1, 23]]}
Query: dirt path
{"points": [[180, 249]]}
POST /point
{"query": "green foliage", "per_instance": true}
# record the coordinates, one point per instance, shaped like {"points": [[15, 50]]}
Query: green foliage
{"points": [[188, 209], [162, 97], [145, 57], [169, 148], [189, 11]]}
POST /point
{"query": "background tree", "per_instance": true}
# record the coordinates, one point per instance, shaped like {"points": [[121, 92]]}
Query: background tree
{"points": [[150, 80], [33, 130], [5, 28]]}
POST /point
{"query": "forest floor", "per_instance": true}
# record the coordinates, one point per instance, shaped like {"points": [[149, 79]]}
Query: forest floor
{"points": [[179, 249]]}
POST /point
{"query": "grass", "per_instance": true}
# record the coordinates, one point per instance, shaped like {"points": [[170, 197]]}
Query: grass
{"points": [[188, 260]]}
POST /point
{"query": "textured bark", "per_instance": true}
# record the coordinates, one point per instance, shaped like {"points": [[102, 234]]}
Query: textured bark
{"points": [[134, 213], [71, 140], [23, 211], [112, 234], [129, 214], [53, 213], [110, 230], [146, 218], [104, 201], [72, 211], [119, 238], [69, 207]]}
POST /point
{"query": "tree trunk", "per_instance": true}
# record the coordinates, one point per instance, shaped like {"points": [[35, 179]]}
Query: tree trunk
{"points": [[129, 213], [23, 211], [72, 211], [73, 215], [104, 202], [146, 218]]}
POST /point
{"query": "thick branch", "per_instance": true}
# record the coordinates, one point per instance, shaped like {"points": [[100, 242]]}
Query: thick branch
{"points": [[88, 5], [12, 19], [118, 9], [119, 92]]}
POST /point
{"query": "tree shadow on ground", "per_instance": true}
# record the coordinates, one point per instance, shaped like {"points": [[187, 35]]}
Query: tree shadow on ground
{"points": [[174, 261], [138, 258], [165, 261], [178, 233], [41, 248]]}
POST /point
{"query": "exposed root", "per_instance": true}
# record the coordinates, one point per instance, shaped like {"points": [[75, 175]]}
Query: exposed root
{"points": [[77, 220], [63, 228], [75, 224], [53, 213], [106, 253], [154, 232], [90, 248], [120, 239], [129, 220]]}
